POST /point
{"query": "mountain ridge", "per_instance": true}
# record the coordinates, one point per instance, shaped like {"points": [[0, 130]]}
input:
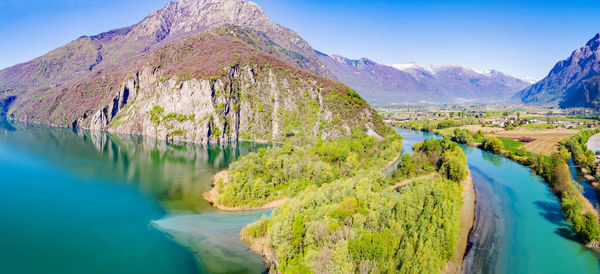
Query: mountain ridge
{"points": [[411, 82], [87, 54], [567, 79]]}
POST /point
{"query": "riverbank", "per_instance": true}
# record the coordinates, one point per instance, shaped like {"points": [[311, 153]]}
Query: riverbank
{"points": [[467, 219], [212, 197], [516, 220], [554, 170]]}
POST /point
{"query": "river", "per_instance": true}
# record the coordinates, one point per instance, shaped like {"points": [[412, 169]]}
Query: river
{"points": [[519, 226], [588, 191]]}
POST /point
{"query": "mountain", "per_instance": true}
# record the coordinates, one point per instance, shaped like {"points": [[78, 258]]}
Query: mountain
{"points": [[375, 82], [572, 82], [197, 70], [89, 54], [410, 82], [584, 94]]}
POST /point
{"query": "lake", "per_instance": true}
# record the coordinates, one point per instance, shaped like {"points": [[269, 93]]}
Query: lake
{"points": [[75, 201]]}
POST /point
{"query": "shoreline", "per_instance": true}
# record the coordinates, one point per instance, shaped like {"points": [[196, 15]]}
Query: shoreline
{"points": [[467, 221], [588, 207], [213, 194]]}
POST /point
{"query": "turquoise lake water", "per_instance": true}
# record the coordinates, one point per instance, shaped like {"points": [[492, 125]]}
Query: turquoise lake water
{"points": [[91, 202], [519, 226]]}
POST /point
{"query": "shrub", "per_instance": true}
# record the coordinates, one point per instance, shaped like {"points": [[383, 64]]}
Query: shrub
{"points": [[170, 116], [526, 139], [158, 109], [177, 132]]}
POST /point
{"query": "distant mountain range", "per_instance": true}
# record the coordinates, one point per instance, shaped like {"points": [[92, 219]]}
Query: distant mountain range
{"points": [[412, 83], [573, 82]]}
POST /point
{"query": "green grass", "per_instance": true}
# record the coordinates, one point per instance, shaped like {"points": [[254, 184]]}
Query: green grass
{"points": [[447, 131], [513, 145]]}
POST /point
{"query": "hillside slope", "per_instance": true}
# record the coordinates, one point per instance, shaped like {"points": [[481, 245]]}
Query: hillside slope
{"points": [[220, 86]]}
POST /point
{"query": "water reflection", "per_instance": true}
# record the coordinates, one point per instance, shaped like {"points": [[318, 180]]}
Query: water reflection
{"points": [[493, 159], [175, 173], [168, 178]]}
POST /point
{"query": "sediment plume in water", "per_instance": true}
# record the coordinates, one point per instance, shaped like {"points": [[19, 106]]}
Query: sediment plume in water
{"points": [[214, 239]]}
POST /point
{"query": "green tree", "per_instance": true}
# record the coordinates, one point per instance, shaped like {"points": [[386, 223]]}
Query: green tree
{"points": [[298, 232], [454, 165], [462, 136], [590, 229], [493, 144], [405, 166]]}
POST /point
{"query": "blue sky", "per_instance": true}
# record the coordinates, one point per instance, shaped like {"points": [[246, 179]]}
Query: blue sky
{"points": [[523, 38]]}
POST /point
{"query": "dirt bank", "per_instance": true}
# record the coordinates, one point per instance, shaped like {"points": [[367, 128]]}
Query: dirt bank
{"points": [[467, 217]]}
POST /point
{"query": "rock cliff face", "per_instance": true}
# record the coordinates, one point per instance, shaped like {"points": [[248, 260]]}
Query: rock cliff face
{"points": [[566, 84], [205, 71], [220, 86], [246, 102], [584, 94]]}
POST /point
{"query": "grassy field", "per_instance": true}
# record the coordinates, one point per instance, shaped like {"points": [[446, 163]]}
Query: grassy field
{"points": [[545, 140], [514, 146], [511, 145]]}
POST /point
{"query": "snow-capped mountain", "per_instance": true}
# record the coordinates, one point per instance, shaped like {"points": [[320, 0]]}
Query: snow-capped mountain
{"points": [[411, 82]]}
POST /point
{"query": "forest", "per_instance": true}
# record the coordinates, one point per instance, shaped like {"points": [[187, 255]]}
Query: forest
{"points": [[284, 171], [360, 224]]}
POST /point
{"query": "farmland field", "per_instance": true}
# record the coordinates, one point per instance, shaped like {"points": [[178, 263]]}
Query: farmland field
{"points": [[545, 140], [475, 128]]}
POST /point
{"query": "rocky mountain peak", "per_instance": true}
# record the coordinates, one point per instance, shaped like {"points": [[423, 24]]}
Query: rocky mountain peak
{"points": [[86, 56], [194, 16], [594, 42], [565, 76]]}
